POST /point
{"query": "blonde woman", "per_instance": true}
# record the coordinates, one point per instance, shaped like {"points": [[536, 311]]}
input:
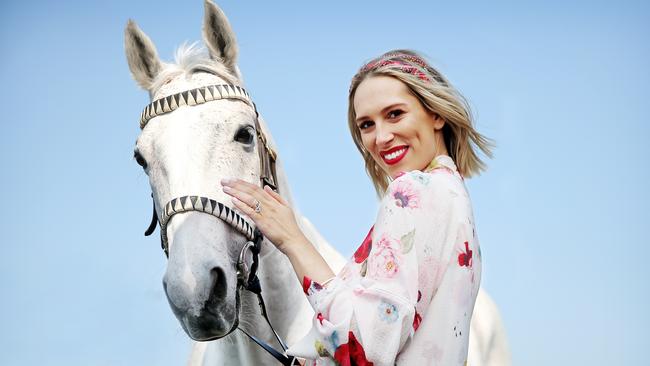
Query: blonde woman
{"points": [[406, 295]]}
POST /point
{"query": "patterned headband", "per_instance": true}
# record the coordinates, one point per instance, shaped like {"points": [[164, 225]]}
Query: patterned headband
{"points": [[407, 57], [403, 66], [404, 62]]}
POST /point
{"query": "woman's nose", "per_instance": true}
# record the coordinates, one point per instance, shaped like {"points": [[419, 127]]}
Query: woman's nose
{"points": [[384, 135]]}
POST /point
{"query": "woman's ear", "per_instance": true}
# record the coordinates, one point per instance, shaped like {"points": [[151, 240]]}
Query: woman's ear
{"points": [[438, 122]]}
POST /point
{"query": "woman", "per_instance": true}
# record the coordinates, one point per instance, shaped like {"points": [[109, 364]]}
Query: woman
{"points": [[407, 294]]}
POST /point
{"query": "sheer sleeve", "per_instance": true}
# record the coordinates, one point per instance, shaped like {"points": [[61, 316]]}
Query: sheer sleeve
{"points": [[366, 317]]}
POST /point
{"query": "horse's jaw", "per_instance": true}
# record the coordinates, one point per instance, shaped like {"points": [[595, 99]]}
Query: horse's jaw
{"points": [[200, 281]]}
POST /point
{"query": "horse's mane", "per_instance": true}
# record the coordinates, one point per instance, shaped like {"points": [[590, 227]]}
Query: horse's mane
{"points": [[191, 58]]}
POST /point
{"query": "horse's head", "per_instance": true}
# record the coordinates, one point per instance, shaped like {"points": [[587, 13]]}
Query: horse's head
{"points": [[186, 152]]}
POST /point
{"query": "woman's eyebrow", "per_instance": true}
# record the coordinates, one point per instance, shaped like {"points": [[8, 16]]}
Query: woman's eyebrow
{"points": [[384, 110]]}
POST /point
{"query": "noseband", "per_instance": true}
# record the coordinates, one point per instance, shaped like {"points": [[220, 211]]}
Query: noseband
{"points": [[248, 260]]}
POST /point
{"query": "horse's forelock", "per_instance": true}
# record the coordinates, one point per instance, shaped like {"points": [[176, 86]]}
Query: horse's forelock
{"points": [[191, 58]]}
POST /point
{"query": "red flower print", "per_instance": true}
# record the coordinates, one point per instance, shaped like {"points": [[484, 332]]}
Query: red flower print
{"points": [[364, 249], [465, 258], [416, 321], [320, 318], [307, 284], [351, 353]]}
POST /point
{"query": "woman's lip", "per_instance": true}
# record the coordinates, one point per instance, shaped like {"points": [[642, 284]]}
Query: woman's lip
{"points": [[396, 159]]}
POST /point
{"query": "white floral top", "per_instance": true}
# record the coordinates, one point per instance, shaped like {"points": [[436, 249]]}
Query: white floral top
{"points": [[407, 294]]}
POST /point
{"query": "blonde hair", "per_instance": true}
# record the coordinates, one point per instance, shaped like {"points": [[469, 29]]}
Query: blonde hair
{"points": [[438, 96]]}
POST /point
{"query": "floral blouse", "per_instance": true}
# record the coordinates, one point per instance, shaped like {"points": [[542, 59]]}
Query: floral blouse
{"points": [[407, 294]]}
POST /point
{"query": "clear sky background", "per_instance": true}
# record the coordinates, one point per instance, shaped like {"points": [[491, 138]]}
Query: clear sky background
{"points": [[561, 213]]}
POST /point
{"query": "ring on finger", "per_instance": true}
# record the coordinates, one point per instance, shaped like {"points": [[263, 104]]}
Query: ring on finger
{"points": [[258, 206]]}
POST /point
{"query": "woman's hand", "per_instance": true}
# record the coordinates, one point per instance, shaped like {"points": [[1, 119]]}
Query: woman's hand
{"points": [[274, 216]]}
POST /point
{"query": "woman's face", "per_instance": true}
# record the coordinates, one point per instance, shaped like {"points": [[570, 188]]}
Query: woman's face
{"points": [[400, 134]]}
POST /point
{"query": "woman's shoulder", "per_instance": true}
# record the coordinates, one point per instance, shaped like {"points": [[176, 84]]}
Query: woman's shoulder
{"points": [[437, 194], [437, 182]]}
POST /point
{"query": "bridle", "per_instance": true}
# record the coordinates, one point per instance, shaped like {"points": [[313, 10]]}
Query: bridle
{"points": [[248, 260]]}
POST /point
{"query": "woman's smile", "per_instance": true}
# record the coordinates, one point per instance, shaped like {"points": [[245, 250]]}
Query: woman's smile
{"points": [[394, 155]]}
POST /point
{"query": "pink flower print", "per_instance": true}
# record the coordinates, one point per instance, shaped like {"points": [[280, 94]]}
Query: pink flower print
{"points": [[384, 261], [405, 196]]}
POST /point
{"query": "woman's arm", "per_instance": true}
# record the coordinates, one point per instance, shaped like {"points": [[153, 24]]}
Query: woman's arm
{"points": [[307, 261], [277, 222]]}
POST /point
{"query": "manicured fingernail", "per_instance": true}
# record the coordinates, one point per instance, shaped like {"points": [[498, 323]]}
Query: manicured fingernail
{"points": [[226, 189], [227, 180]]}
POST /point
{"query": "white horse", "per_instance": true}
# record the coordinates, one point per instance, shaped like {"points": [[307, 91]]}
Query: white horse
{"points": [[187, 152]]}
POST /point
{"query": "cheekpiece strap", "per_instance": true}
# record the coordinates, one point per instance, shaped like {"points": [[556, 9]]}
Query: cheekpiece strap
{"points": [[267, 157]]}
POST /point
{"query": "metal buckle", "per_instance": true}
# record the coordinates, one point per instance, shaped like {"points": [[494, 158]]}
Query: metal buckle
{"points": [[244, 263]]}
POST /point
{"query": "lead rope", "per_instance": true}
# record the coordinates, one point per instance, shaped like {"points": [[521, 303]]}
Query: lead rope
{"points": [[253, 285]]}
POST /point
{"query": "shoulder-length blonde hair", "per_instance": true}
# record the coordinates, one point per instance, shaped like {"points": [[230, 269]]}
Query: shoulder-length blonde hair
{"points": [[438, 96]]}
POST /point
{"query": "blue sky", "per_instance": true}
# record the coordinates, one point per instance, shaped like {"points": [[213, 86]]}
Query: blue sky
{"points": [[562, 88]]}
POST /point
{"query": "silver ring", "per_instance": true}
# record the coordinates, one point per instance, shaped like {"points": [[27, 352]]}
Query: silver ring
{"points": [[258, 206]]}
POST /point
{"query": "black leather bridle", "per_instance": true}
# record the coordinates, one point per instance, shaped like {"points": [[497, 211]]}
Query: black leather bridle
{"points": [[248, 260]]}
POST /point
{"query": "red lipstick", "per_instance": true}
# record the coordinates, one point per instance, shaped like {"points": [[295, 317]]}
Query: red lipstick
{"points": [[394, 158]]}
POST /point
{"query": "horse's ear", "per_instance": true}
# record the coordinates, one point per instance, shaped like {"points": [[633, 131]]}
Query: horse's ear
{"points": [[141, 55], [219, 37]]}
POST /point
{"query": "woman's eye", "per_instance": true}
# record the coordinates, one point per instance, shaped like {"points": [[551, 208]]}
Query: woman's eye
{"points": [[245, 135], [395, 113], [139, 159], [365, 124]]}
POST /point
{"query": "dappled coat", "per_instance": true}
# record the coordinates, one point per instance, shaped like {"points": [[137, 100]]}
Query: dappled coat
{"points": [[407, 294]]}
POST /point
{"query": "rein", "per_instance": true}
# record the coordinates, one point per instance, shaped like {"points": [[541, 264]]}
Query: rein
{"points": [[248, 260]]}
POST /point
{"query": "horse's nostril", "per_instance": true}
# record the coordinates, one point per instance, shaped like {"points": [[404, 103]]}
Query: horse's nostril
{"points": [[218, 292]]}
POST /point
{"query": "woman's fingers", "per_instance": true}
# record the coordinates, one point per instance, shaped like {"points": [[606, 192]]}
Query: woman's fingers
{"points": [[241, 185], [248, 210], [241, 196], [275, 195]]}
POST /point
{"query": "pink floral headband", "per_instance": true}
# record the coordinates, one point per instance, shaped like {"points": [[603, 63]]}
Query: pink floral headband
{"points": [[403, 66]]}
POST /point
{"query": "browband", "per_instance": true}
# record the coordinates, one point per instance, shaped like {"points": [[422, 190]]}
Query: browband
{"points": [[193, 97]]}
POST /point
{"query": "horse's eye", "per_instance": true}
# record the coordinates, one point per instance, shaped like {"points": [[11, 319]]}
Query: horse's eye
{"points": [[139, 159], [245, 135]]}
